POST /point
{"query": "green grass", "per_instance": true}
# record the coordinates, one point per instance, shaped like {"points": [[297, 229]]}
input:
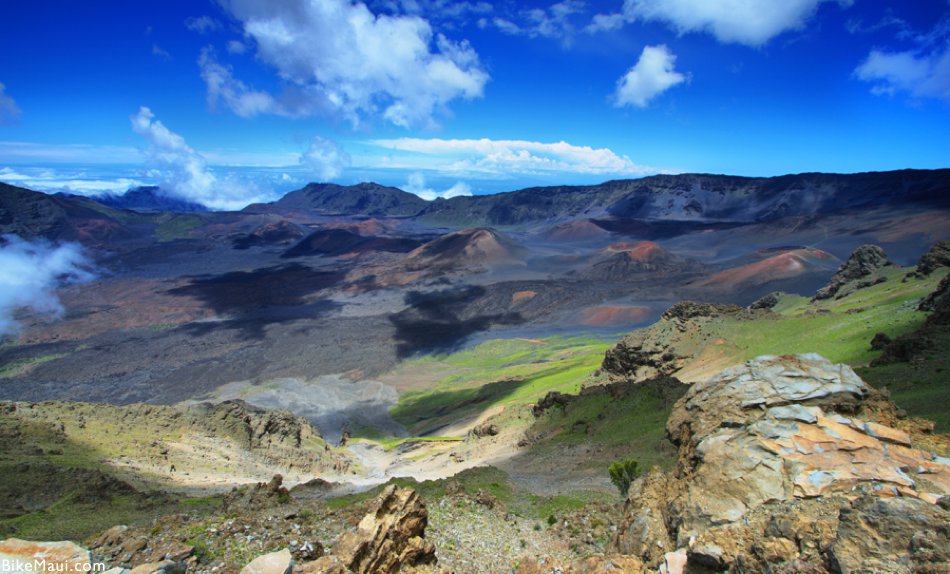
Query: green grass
{"points": [[174, 227], [17, 368], [840, 330], [493, 481], [633, 426], [500, 372], [389, 443], [922, 386]]}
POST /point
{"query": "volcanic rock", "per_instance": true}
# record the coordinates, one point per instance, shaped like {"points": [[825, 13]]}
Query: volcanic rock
{"points": [[938, 256], [770, 453], [767, 302], [865, 261], [390, 537]]}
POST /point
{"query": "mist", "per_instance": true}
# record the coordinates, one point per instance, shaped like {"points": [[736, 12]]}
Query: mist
{"points": [[30, 273]]}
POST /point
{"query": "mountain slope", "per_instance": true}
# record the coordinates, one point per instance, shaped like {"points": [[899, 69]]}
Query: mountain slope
{"points": [[332, 199], [700, 197], [150, 199]]}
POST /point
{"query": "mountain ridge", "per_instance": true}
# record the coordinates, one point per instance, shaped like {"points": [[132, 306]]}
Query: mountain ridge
{"points": [[686, 197]]}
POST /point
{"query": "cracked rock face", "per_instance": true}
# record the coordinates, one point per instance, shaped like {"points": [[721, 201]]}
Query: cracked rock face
{"points": [[774, 455], [778, 428]]}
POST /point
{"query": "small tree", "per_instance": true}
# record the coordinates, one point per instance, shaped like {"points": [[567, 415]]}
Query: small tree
{"points": [[623, 472]]}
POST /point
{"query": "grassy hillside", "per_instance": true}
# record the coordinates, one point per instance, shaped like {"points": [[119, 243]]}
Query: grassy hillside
{"points": [[839, 329], [496, 373]]}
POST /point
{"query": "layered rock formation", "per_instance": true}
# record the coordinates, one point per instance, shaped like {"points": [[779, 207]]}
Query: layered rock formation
{"points": [[782, 468], [864, 262]]}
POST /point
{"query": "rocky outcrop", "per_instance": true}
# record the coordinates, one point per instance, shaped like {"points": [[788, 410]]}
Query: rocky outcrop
{"points": [[864, 262], [389, 539], [766, 302], [771, 454], [937, 257], [656, 351]]}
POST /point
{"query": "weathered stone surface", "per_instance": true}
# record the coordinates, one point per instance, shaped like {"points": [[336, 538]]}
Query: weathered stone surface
{"points": [[163, 567], [390, 537], [274, 563], [772, 429], [644, 533], [31, 557], [897, 535], [597, 564], [770, 453]]}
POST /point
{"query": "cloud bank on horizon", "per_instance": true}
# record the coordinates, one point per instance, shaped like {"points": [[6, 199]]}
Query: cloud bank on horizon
{"points": [[30, 272], [449, 98]]}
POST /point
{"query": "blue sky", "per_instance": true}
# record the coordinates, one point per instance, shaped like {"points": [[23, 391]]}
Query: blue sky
{"points": [[243, 100]]}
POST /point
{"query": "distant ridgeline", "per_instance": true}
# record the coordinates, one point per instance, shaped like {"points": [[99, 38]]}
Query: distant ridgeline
{"points": [[689, 197]]}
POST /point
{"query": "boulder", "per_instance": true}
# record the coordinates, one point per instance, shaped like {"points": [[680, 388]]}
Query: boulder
{"points": [[770, 453], [274, 563], [31, 557], [390, 537], [865, 261]]}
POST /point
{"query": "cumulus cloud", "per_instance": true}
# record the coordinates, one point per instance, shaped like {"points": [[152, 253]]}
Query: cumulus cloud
{"points": [[652, 75], [224, 87], [514, 157], [183, 172], [749, 22], [325, 159], [9, 111], [236, 47], [338, 57], [417, 185], [921, 74], [30, 272]]}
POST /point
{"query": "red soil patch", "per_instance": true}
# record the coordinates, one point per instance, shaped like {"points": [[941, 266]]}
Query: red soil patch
{"points": [[520, 296], [642, 251], [613, 315], [535, 341], [782, 266]]}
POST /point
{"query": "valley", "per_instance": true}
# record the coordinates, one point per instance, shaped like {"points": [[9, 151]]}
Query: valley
{"points": [[494, 354]]}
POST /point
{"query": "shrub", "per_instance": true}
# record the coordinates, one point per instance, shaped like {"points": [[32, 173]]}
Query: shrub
{"points": [[623, 472]]}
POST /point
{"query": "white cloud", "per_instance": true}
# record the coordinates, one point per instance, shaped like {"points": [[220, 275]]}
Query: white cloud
{"points": [[510, 157], [749, 22], [9, 111], [920, 74], [417, 185], [236, 47], [652, 75], [202, 24], [222, 86], [552, 22], [183, 172], [79, 183], [160, 53], [30, 152], [29, 275], [325, 159], [338, 57]]}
